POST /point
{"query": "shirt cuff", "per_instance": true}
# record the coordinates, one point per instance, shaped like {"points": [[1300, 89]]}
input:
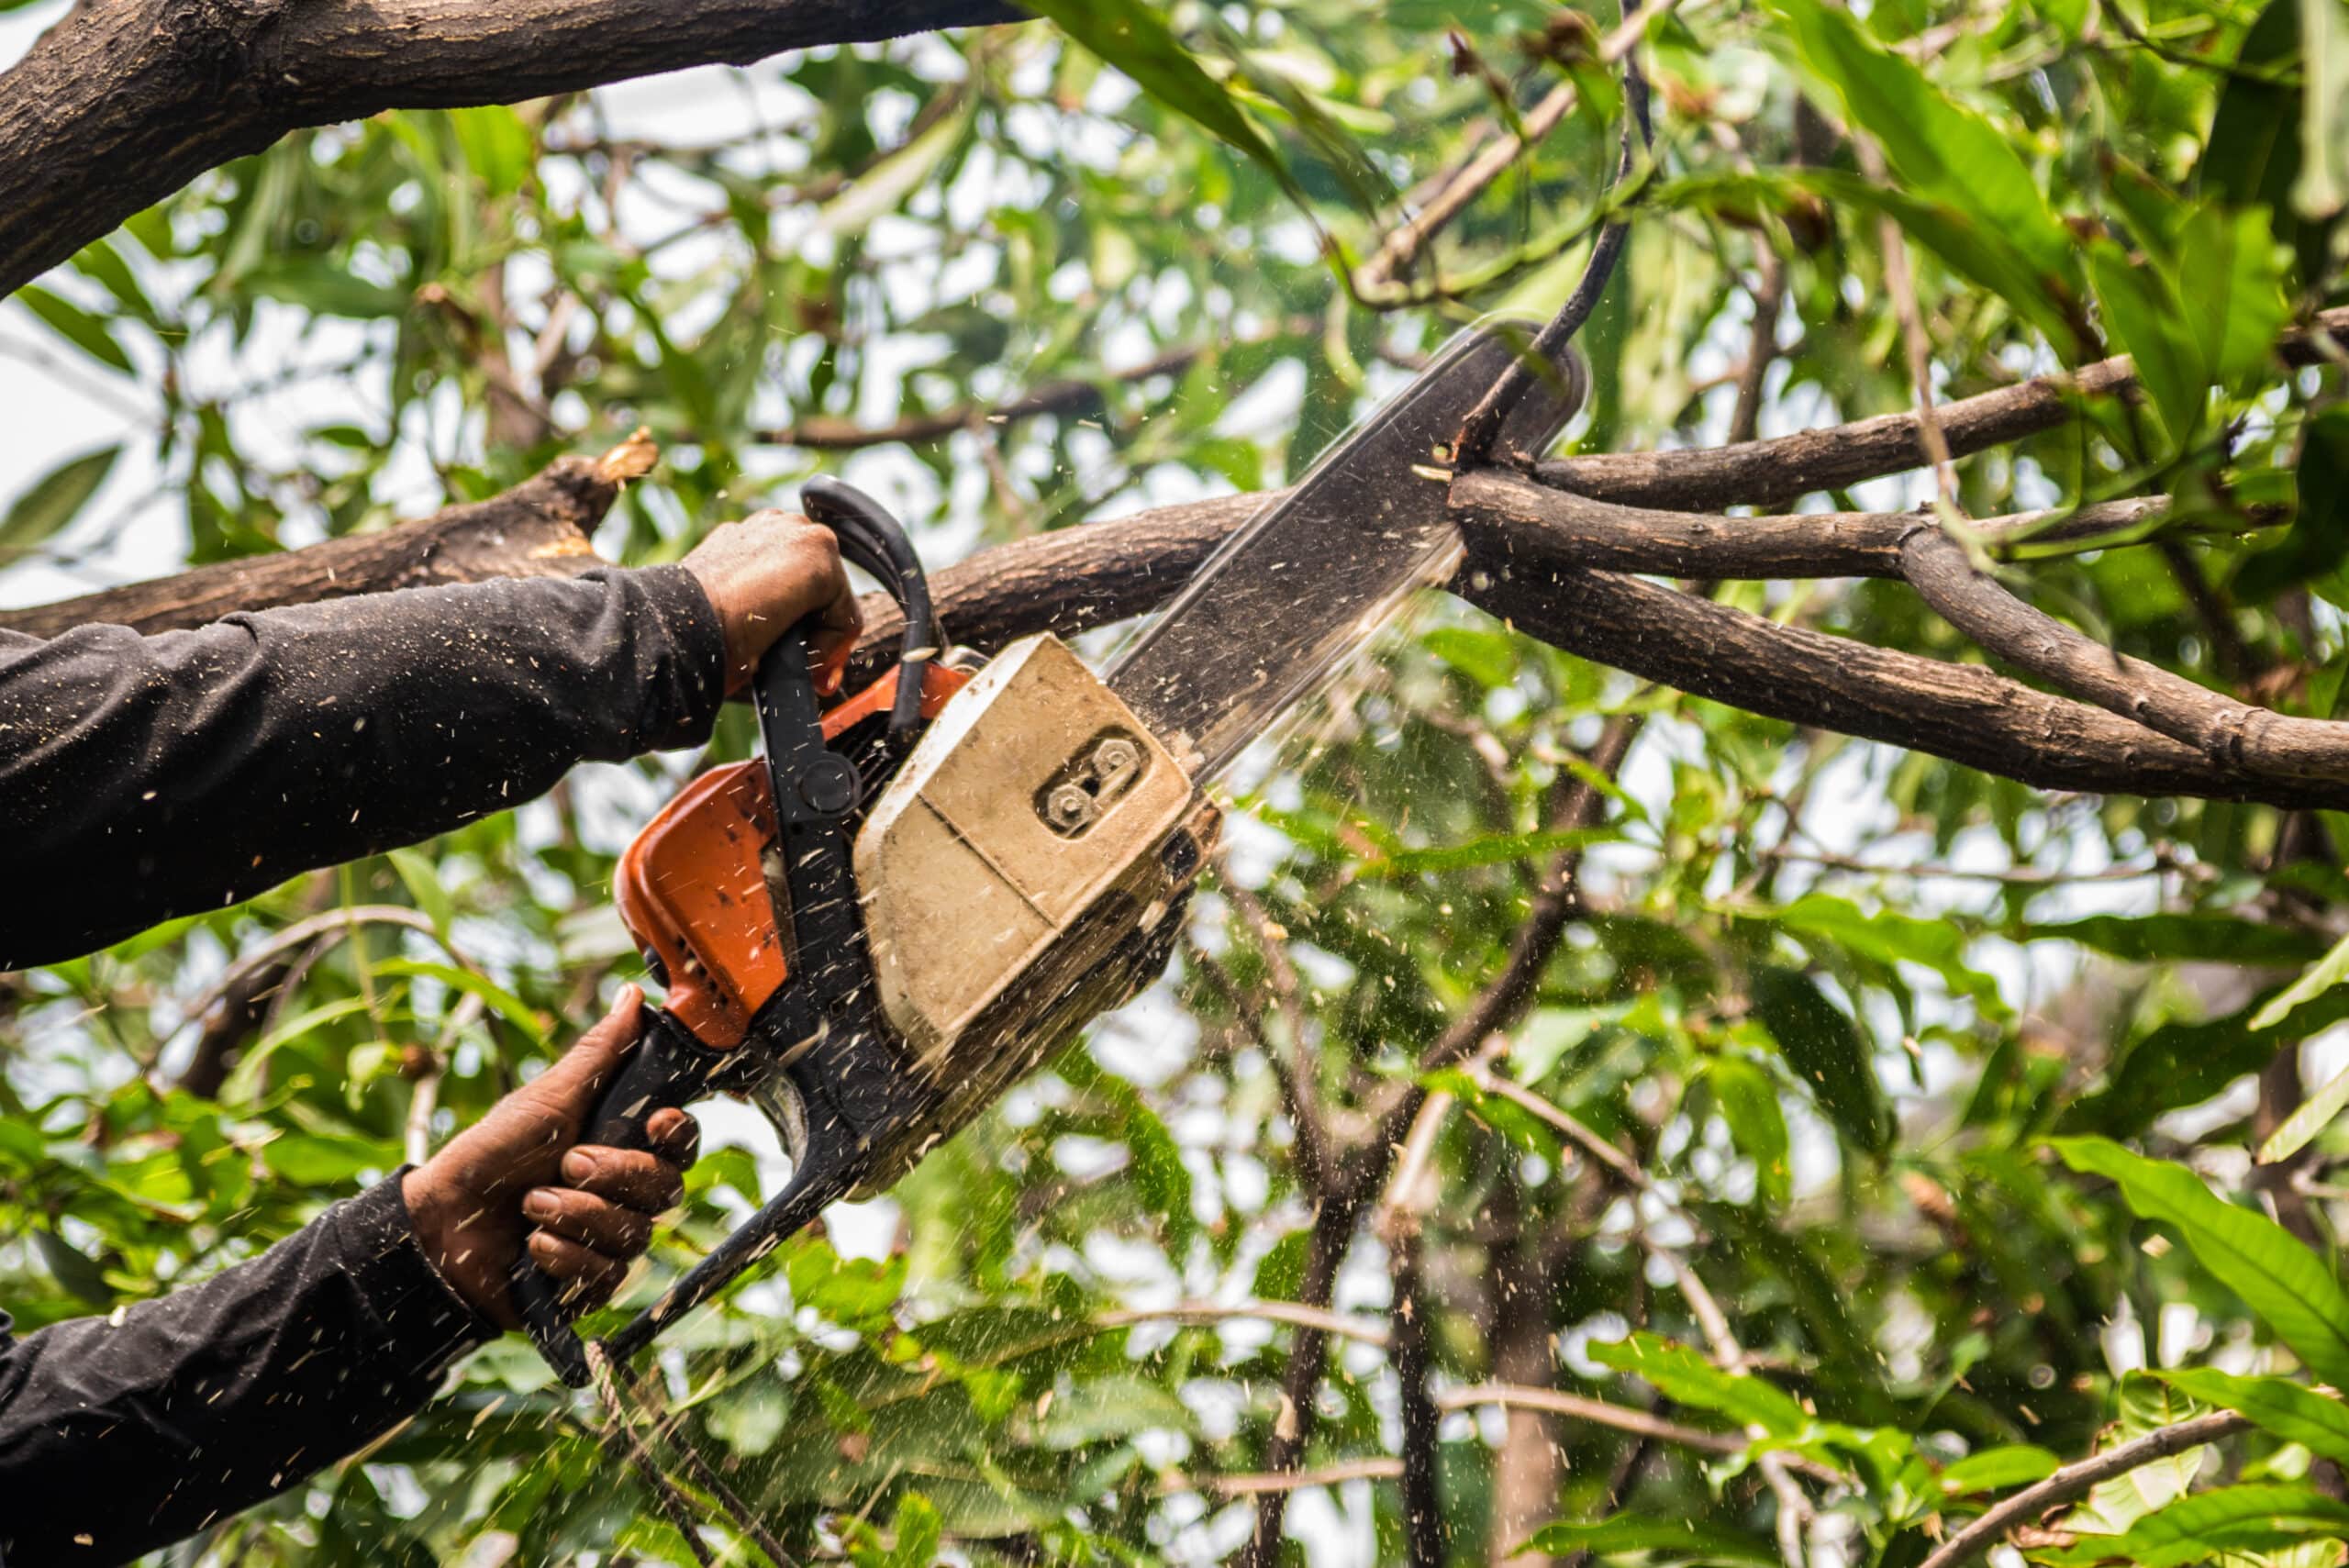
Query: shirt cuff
{"points": [[677, 597], [427, 1325]]}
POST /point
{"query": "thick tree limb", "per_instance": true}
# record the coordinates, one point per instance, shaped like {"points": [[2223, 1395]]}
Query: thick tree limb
{"points": [[121, 103], [1962, 712], [1787, 467], [2271, 747], [538, 528], [1606, 537]]}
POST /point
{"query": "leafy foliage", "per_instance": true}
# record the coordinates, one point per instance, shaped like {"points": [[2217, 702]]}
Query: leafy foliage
{"points": [[1829, 1002]]}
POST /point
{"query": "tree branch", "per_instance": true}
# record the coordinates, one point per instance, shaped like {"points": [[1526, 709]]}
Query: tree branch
{"points": [[538, 528], [121, 103], [2269, 747], [2078, 1480], [1787, 467]]}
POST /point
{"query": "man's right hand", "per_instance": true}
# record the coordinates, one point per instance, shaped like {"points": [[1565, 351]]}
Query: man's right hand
{"points": [[765, 574]]}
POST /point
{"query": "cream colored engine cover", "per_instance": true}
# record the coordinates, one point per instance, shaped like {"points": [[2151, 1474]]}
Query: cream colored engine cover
{"points": [[993, 930]]}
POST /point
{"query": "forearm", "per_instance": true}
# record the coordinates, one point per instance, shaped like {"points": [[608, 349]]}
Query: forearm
{"points": [[118, 1436], [143, 777]]}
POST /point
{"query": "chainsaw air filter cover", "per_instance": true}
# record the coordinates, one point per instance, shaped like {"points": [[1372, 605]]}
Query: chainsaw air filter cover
{"points": [[1023, 869]]}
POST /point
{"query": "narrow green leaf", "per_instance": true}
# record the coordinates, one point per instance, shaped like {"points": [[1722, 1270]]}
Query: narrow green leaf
{"points": [[1749, 1103], [2293, 1411], [312, 1160], [1995, 1469], [497, 145], [54, 500], [2183, 939], [1680, 1539], [1939, 150], [880, 190], [2257, 1259], [1502, 849], [422, 878], [1685, 1377], [2230, 1519], [80, 1273], [1825, 1049], [77, 326], [2323, 976], [2142, 315], [2315, 1114], [251, 1069], [2230, 267], [1888, 937], [1131, 36], [520, 1014]]}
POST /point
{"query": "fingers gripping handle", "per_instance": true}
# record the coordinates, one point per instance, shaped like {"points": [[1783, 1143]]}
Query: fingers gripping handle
{"points": [[668, 1068]]}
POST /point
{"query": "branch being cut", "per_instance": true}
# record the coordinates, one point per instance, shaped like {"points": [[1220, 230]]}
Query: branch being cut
{"points": [[120, 105]]}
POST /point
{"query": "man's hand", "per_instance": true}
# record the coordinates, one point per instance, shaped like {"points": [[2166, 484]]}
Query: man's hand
{"points": [[522, 1165], [767, 574]]}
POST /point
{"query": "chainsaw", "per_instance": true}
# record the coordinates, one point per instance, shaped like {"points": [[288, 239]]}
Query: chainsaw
{"points": [[909, 901]]}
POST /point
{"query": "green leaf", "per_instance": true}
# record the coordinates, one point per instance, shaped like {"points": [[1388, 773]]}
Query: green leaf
{"points": [[422, 879], [1748, 1100], [1889, 937], [2183, 939], [1995, 1469], [2317, 543], [516, 1011], [77, 326], [882, 189], [1500, 849], [1680, 1539], [1488, 658], [2231, 269], [1684, 1376], [2293, 1411], [2323, 976], [1941, 152], [2145, 318], [2257, 1259], [310, 1160], [1826, 1050], [496, 144], [1131, 36], [319, 285], [81, 1274], [917, 1530], [54, 500], [855, 1293], [2231, 1519], [2314, 1114]]}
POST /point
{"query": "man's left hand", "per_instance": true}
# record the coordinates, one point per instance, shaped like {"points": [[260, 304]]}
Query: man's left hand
{"points": [[474, 1204]]}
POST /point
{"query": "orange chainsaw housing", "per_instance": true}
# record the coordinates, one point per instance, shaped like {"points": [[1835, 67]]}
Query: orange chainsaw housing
{"points": [[692, 888]]}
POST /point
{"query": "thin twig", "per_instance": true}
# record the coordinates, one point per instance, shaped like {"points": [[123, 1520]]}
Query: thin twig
{"points": [[2079, 1479]]}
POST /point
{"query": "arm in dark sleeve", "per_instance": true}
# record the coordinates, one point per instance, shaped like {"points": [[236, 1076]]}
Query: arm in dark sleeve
{"points": [[144, 777], [118, 1434]]}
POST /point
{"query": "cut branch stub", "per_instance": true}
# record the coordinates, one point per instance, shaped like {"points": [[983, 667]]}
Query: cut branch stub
{"points": [[538, 528]]}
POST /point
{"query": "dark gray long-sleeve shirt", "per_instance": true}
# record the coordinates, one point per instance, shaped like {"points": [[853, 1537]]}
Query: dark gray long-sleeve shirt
{"points": [[146, 777]]}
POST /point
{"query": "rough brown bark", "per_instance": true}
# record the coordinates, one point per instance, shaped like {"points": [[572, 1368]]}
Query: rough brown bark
{"points": [[2271, 748], [122, 102], [538, 528]]}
